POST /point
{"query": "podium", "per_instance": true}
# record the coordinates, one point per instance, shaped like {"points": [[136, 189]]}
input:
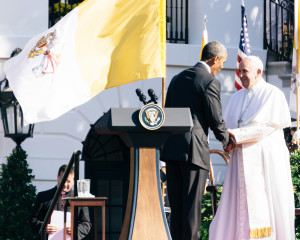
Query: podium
{"points": [[144, 216]]}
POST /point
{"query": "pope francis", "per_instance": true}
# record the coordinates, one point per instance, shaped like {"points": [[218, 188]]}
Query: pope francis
{"points": [[257, 200]]}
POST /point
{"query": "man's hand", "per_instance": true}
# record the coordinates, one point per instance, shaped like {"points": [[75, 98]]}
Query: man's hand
{"points": [[68, 230], [231, 143], [50, 228]]}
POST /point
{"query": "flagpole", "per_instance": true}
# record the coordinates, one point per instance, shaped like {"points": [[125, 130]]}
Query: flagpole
{"points": [[297, 91], [204, 37], [296, 48], [164, 39], [163, 92]]}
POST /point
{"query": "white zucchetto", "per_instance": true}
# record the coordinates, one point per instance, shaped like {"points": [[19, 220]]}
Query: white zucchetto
{"points": [[259, 64]]}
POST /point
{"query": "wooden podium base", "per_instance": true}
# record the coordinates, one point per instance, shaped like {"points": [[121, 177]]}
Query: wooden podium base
{"points": [[144, 216]]}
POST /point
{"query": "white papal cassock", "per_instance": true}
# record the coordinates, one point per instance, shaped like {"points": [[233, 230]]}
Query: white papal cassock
{"points": [[257, 201]]}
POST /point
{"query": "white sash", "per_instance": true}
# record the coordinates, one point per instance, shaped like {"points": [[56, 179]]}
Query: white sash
{"points": [[258, 208]]}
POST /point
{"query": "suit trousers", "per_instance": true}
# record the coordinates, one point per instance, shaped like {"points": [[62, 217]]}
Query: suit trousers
{"points": [[186, 183]]}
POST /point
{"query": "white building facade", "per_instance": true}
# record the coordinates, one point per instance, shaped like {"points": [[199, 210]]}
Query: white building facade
{"points": [[54, 142]]}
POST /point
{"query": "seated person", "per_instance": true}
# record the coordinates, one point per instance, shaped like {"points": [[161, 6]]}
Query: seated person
{"points": [[43, 202]]}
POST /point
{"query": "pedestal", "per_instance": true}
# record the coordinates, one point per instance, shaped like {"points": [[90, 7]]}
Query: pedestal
{"points": [[144, 217], [75, 202]]}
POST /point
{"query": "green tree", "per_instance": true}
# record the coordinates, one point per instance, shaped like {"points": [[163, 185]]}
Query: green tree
{"points": [[17, 196]]}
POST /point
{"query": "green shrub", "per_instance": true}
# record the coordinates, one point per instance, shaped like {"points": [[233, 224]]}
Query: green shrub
{"points": [[295, 169], [58, 10], [206, 212], [17, 196]]}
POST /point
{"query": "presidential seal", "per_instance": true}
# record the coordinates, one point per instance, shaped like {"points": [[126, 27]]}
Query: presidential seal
{"points": [[151, 116]]}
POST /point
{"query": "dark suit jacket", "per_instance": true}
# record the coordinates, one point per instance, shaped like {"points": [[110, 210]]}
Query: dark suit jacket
{"points": [[197, 89], [42, 204]]}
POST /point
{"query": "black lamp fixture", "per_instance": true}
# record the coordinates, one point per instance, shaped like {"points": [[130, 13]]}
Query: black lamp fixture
{"points": [[12, 115]]}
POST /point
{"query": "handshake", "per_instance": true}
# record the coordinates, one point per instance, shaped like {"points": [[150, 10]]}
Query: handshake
{"points": [[231, 143]]}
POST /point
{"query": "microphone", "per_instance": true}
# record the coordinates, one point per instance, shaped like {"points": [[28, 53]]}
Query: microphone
{"points": [[152, 95], [141, 95]]}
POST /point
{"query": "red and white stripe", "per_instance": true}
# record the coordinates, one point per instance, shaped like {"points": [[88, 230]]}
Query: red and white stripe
{"points": [[237, 82]]}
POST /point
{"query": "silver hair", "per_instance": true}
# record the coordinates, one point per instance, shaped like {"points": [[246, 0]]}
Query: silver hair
{"points": [[213, 49]]}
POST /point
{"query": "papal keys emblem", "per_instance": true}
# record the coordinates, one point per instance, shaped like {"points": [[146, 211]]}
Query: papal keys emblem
{"points": [[50, 60], [151, 116]]}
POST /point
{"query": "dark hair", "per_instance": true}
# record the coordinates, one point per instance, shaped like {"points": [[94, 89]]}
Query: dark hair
{"points": [[213, 49], [63, 168], [15, 52]]}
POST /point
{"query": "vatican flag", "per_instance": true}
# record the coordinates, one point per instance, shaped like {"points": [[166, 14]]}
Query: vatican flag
{"points": [[100, 44]]}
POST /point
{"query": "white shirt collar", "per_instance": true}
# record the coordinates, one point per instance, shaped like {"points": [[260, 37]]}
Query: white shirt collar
{"points": [[256, 86], [205, 64]]}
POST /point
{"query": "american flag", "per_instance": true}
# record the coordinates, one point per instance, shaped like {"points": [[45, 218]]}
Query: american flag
{"points": [[244, 47]]}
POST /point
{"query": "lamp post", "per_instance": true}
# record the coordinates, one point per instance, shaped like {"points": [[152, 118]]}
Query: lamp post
{"points": [[16, 178], [12, 116]]}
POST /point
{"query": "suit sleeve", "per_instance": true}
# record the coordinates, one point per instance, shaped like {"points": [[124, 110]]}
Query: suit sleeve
{"points": [[84, 223], [35, 223], [168, 99], [213, 112]]}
